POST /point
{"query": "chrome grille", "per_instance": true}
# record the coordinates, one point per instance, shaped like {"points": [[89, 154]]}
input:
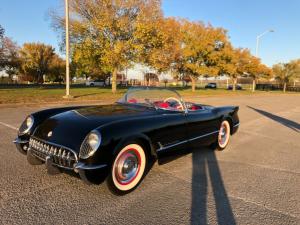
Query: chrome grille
{"points": [[61, 156]]}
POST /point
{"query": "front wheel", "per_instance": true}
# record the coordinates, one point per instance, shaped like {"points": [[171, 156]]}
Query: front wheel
{"points": [[128, 169]]}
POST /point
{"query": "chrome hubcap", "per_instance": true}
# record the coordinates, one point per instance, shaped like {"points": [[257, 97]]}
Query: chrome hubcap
{"points": [[127, 167]]}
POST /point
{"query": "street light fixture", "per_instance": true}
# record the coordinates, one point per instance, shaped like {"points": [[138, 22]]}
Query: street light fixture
{"points": [[258, 38]]}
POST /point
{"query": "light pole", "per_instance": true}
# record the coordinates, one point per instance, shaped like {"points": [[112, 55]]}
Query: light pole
{"points": [[67, 51], [258, 37]]}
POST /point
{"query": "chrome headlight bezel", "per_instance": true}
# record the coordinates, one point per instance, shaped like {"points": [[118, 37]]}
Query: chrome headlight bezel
{"points": [[26, 125], [90, 144]]}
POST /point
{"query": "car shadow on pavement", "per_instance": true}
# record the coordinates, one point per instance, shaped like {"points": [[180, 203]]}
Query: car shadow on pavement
{"points": [[206, 170], [286, 122]]}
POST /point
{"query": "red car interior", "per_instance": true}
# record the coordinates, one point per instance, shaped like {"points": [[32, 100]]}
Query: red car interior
{"points": [[165, 105]]}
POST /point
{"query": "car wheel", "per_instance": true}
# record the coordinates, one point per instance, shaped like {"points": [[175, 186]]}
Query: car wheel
{"points": [[224, 135], [128, 169]]}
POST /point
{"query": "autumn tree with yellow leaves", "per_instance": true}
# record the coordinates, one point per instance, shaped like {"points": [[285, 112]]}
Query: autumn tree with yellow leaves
{"points": [[202, 49], [286, 72], [110, 29], [109, 36]]}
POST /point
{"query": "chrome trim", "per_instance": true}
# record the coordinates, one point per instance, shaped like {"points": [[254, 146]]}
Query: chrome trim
{"points": [[195, 138], [185, 141], [83, 166], [57, 145], [19, 141], [236, 125], [53, 163]]}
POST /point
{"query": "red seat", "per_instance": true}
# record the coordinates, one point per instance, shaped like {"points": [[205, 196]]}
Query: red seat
{"points": [[195, 107], [163, 105], [132, 100]]}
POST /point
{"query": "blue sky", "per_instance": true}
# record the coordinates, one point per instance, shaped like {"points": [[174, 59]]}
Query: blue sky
{"points": [[27, 21]]}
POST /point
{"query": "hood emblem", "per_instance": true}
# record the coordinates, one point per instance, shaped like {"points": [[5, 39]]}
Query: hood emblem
{"points": [[49, 134]]}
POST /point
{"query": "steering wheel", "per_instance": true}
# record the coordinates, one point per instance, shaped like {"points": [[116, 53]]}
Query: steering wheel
{"points": [[176, 100]]}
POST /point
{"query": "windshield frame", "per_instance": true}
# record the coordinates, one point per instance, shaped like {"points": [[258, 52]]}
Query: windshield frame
{"points": [[132, 89]]}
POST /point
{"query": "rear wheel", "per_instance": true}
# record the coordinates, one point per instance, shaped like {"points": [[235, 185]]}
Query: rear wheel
{"points": [[223, 136], [128, 169]]}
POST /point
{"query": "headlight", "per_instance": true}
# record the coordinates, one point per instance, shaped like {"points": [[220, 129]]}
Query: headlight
{"points": [[26, 125], [90, 144], [94, 140]]}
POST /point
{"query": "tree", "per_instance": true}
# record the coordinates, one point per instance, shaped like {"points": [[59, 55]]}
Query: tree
{"points": [[86, 59], [110, 26], [2, 47], [285, 72], [255, 69], [11, 62], [161, 49], [248, 65], [9, 56], [1, 32], [57, 69], [35, 60], [201, 49]]}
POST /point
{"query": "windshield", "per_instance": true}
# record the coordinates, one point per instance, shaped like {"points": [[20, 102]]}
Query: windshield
{"points": [[158, 98]]}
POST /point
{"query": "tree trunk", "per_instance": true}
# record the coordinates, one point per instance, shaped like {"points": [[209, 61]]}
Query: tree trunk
{"points": [[114, 81], [284, 86], [193, 83], [234, 84], [253, 85]]}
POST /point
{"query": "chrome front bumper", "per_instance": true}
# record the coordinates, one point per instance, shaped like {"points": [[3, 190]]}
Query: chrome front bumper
{"points": [[22, 145], [51, 161]]}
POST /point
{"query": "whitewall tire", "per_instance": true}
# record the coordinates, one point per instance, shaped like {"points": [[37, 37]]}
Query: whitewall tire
{"points": [[127, 169], [224, 135]]}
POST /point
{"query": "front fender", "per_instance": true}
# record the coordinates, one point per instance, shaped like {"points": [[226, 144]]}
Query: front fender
{"points": [[134, 137], [114, 135]]}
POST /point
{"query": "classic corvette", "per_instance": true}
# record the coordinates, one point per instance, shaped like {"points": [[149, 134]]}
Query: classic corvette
{"points": [[118, 142]]}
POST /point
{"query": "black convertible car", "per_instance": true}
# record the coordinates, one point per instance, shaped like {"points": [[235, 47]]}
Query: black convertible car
{"points": [[118, 142]]}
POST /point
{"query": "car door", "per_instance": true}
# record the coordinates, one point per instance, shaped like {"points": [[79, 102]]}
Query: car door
{"points": [[171, 136], [202, 127]]}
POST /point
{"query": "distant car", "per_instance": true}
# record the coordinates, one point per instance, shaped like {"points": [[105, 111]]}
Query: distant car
{"points": [[120, 141], [237, 87], [211, 85], [100, 83]]}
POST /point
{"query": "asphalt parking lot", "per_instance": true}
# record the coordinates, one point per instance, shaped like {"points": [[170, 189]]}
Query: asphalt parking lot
{"points": [[256, 180]]}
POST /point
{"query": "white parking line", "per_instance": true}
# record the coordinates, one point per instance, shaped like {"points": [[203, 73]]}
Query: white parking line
{"points": [[9, 126]]}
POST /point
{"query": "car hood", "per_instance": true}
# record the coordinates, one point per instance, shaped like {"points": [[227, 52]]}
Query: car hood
{"points": [[69, 128]]}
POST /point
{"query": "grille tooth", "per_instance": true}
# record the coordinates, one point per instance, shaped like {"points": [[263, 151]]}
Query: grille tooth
{"points": [[55, 155], [59, 156], [63, 157], [68, 158]]}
